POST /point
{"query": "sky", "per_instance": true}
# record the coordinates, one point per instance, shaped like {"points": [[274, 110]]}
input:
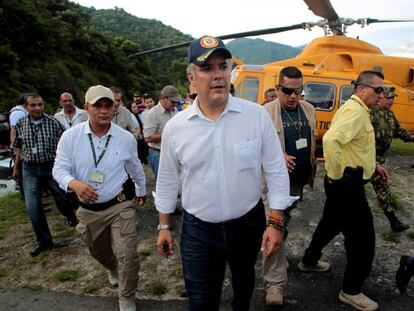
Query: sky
{"points": [[220, 17]]}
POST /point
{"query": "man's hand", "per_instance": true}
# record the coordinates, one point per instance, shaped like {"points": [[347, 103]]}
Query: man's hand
{"points": [[16, 175], [290, 163], [272, 241], [165, 243], [140, 200], [382, 172], [86, 193]]}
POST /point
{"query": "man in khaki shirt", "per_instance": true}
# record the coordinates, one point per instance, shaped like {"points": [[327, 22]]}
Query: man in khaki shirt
{"points": [[349, 150], [155, 122]]}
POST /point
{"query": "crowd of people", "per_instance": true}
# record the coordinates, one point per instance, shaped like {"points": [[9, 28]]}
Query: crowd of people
{"points": [[239, 168]]}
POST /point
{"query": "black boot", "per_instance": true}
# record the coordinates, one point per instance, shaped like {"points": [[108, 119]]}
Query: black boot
{"points": [[396, 225], [403, 275]]}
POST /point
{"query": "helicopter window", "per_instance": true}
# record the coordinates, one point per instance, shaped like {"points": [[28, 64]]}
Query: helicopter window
{"points": [[248, 89], [320, 95], [346, 92]]}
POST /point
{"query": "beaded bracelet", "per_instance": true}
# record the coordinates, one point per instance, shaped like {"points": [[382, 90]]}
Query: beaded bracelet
{"points": [[276, 226]]}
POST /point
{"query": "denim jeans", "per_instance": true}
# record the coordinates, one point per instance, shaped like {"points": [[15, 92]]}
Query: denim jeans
{"points": [[35, 178], [154, 158], [207, 247]]}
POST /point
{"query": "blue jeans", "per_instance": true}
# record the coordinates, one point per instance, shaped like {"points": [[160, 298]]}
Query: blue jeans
{"points": [[35, 178], [154, 158], [207, 247]]}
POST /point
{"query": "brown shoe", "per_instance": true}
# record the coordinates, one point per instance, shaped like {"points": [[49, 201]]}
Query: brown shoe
{"points": [[321, 266], [274, 296], [360, 301]]}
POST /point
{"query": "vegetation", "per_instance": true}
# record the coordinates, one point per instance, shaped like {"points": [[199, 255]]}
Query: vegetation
{"points": [[90, 288], [144, 252], [12, 211], [67, 275], [156, 289], [259, 51], [50, 46]]}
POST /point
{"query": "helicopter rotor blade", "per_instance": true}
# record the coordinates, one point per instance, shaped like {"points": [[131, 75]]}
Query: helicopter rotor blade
{"points": [[225, 37], [322, 8], [374, 20]]}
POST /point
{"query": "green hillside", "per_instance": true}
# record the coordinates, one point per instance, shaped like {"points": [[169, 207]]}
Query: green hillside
{"points": [[166, 67], [50, 46], [258, 51]]}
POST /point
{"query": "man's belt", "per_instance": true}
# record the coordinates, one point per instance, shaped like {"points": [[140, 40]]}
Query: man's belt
{"points": [[96, 207], [155, 149]]}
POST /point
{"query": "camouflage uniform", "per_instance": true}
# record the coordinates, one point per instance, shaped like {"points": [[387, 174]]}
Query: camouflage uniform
{"points": [[386, 127]]}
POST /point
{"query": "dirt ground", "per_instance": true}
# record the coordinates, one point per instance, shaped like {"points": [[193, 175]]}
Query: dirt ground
{"points": [[69, 269]]}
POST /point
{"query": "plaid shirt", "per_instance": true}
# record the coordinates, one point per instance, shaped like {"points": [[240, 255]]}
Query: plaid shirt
{"points": [[38, 143]]}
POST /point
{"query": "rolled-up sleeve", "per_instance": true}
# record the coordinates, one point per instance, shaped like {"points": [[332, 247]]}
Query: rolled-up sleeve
{"points": [[274, 167]]}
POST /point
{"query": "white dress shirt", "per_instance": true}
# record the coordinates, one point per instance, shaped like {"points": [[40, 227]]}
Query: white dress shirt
{"points": [[79, 117], [220, 163], [74, 160]]}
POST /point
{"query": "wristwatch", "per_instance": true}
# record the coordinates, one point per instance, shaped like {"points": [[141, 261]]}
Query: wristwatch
{"points": [[163, 227]]}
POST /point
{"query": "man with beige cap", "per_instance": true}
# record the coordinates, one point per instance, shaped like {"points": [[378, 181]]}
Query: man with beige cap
{"points": [[94, 159], [155, 122]]}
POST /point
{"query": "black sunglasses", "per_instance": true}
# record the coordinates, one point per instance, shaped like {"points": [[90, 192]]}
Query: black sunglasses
{"points": [[289, 91], [377, 90]]}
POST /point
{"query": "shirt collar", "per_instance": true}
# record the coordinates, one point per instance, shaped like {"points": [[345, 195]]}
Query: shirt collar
{"points": [[194, 109], [361, 102], [87, 129]]}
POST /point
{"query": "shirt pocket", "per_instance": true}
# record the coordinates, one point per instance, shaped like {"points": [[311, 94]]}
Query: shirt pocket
{"points": [[247, 155], [369, 138]]}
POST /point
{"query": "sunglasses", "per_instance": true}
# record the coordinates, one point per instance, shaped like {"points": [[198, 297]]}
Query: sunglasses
{"points": [[377, 90], [289, 91]]}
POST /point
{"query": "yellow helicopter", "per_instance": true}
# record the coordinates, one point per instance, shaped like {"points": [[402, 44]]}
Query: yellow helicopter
{"points": [[329, 64]]}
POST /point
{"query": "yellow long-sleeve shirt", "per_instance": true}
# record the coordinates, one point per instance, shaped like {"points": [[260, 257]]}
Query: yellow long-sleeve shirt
{"points": [[350, 140]]}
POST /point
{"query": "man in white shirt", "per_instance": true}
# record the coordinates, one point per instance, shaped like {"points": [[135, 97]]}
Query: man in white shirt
{"points": [[16, 113], [149, 104], [217, 150], [69, 115], [94, 159]]}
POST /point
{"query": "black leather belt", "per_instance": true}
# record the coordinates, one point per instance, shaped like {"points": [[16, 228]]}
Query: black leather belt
{"points": [[96, 207], [257, 211]]}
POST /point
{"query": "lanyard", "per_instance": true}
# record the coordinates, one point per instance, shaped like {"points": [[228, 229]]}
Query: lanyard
{"points": [[35, 128], [297, 124], [103, 151]]}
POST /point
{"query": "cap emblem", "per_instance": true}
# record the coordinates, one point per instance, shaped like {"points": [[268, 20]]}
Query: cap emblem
{"points": [[208, 42]]}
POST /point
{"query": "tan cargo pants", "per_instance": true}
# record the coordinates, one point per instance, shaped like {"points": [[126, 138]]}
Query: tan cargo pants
{"points": [[111, 237], [274, 267]]}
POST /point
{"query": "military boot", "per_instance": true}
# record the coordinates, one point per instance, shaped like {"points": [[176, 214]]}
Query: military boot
{"points": [[395, 223], [404, 273]]}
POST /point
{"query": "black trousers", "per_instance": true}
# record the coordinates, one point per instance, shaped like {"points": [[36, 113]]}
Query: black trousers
{"points": [[207, 247], [347, 211]]}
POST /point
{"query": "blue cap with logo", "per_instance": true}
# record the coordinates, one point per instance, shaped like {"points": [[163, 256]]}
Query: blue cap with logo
{"points": [[201, 49]]}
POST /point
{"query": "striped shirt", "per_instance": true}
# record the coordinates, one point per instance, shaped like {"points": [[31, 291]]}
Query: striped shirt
{"points": [[38, 142]]}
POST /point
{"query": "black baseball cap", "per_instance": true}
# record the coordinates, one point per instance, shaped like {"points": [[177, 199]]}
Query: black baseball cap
{"points": [[201, 49]]}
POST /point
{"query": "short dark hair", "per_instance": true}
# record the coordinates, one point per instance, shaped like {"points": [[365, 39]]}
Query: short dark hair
{"points": [[115, 89], [290, 72], [365, 77], [269, 90]]}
